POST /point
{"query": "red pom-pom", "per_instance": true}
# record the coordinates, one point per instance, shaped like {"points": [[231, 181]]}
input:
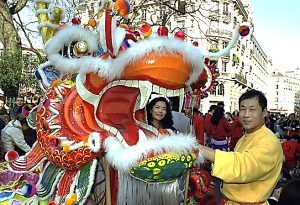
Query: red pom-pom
{"points": [[51, 203], [195, 43], [146, 30], [46, 102], [76, 21], [244, 30], [11, 156], [162, 31], [180, 35]]}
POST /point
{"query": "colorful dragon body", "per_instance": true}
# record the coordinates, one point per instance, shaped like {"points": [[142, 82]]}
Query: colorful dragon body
{"points": [[103, 114]]}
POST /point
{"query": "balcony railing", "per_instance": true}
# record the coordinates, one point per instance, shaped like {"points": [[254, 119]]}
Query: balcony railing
{"points": [[241, 79], [214, 13], [240, 6], [226, 16], [219, 32]]}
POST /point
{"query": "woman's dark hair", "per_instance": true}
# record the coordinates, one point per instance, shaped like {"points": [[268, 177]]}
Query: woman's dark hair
{"points": [[217, 116], [290, 193], [167, 121], [262, 100]]}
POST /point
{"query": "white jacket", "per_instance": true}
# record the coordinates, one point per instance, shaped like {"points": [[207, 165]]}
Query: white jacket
{"points": [[12, 135]]}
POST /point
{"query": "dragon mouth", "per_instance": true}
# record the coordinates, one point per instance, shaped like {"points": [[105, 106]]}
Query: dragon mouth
{"points": [[120, 108]]}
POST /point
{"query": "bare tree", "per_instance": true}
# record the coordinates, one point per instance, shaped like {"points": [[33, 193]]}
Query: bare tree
{"points": [[9, 36]]}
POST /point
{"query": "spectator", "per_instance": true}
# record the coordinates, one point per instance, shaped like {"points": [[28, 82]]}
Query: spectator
{"points": [[4, 119], [220, 104], [291, 126], [181, 122], [219, 129], [289, 194], [251, 172], [291, 150], [237, 130], [270, 122], [12, 135], [211, 111], [17, 109], [198, 123], [159, 113], [280, 123]]}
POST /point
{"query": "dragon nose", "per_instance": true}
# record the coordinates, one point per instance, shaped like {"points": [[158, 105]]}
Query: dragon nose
{"points": [[155, 66]]}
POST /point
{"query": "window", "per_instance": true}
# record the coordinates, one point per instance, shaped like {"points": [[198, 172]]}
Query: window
{"points": [[144, 15], [277, 86], [225, 8], [181, 6], [224, 66], [276, 99], [225, 44], [234, 22], [162, 12], [276, 92], [181, 25], [220, 89]]}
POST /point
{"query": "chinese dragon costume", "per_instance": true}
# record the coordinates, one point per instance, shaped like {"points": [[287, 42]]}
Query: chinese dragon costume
{"points": [[92, 131]]}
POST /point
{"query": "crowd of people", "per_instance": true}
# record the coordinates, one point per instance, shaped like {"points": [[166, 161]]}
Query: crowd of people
{"points": [[242, 146], [14, 130]]}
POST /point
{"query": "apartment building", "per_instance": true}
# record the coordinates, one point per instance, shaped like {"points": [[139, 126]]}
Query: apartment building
{"points": [[283, 92]]}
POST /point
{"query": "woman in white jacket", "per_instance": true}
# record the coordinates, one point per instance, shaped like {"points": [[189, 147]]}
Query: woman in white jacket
{"points": [[12, 135]]}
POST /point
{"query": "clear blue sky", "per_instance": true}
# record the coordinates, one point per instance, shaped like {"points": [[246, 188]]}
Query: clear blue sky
{"points": [[277, 29]]}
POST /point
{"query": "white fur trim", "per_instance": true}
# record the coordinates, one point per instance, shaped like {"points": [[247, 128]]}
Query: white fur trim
{"points": [[47, 23], [45, 1], [41, 11], [94, 142], [123, 159], [113, 68]]}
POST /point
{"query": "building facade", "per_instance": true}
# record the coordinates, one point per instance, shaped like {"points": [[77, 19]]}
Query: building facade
{"points": [[283, 92]]}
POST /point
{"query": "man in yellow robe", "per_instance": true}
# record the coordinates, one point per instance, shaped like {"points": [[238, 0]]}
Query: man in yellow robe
{"points": [[251, 171]]}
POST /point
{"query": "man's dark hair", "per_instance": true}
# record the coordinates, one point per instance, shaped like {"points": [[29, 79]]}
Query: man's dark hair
{"points": [[290, 193], [212, 107], [220, 104], [262, 100], [175, 103], [295, 137]]}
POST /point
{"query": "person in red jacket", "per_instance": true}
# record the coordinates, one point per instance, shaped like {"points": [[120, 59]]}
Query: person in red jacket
{"points": [[219, 129], [291, 150], [208, 116], [198, 123], [237, 130]]}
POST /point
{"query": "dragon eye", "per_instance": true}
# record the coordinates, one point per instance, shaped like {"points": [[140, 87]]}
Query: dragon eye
{"points": [[80, 48]]}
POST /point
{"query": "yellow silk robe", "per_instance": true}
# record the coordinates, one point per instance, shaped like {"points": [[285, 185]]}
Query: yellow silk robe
{"points": [[251, 172]]}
